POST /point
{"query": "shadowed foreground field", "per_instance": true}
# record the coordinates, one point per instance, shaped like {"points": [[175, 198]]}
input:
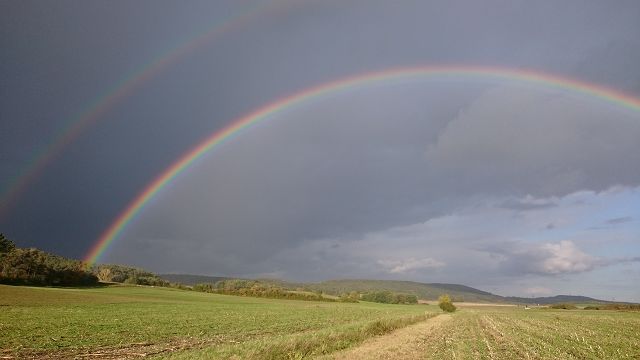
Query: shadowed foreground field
{"points": [[130, 322]]}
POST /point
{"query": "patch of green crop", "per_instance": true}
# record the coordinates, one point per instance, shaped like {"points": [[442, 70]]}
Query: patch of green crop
{"points": [[59, 322], [126, 321], [307, 344]]}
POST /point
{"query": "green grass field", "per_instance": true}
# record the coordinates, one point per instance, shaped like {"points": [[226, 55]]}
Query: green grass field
{"points": [[128, 321]]}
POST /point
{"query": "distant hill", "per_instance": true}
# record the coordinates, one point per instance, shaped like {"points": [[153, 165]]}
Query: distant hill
{"points": [[460, 288], [426, 291], [422, 290], [556, 299], [191, 280], [431, 291]]}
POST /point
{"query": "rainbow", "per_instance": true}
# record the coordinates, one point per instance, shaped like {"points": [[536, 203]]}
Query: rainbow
{"points": [[382, 77], [122, 89]]}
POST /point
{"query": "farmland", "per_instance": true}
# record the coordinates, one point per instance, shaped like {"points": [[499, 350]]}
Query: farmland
{"points": [[130, 322], [515, 333], [121, 321]]}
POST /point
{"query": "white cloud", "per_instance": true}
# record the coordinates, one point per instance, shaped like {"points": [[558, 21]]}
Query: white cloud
{"points": [[566, 257], [548, 259]]}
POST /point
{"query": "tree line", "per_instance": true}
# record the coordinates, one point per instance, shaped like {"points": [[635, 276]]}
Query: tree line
{"points": [[388, 297], [254, 288], [31, 266], [131, 275]]}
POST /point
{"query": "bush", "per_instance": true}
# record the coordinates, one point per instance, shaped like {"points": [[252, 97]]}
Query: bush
{"points": [[444, 301], [133, 280], [253, 288], [387, 297], [351, 297], [128, 275], [205, 287], [623, 307], [563, 306], [179, 286]]}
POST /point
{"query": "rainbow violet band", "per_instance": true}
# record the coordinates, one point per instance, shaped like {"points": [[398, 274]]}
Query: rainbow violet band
{"points": [[382, 77]]}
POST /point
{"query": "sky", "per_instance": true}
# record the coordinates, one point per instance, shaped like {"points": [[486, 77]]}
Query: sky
{"points": [[511, 187]]}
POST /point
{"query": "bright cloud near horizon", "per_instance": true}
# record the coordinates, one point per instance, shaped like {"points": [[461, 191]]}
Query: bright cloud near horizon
{"points": [[518, 189]]}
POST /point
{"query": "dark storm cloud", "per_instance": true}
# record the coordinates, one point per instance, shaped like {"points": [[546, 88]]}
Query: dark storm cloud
{"points": [[343, 167], [397, 181], [339, 167], [518, 142]]}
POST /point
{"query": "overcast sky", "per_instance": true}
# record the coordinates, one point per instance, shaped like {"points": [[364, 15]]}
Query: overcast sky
{"points": [[513, 188]]}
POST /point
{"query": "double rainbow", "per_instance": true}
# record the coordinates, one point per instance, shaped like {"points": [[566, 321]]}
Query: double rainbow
{"points": [[397, 74]]}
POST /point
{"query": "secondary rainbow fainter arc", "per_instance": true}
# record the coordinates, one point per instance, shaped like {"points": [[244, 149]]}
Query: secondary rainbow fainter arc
{"points": [[94, 110], [551, 81]]}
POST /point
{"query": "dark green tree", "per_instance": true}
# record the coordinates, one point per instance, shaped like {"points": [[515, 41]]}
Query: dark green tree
{"points": [[6, 245], [36, 267]]}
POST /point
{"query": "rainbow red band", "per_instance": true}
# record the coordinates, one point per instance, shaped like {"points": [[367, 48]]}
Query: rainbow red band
{"points": [[397, 74]]}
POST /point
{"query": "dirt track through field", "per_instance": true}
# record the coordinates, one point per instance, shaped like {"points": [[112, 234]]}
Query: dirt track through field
{"points": [[405, 343]]}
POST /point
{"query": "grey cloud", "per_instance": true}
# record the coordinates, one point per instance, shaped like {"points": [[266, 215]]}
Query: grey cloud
{"points": [[612, 222], [527, 203], [514, 141], [559, 258], [331, 169], [410, 264], [352, 171], [400, 172], [538, 291], [619, 220]]}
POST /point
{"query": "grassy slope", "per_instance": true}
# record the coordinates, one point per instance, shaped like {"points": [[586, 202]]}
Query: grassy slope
{"points": [[423, 291], [337, 287], [64, 321]]}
